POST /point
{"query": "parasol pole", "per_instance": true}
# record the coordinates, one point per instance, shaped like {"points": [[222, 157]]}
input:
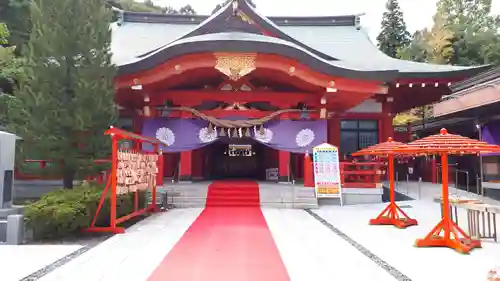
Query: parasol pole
{"points": [[446, 195], [391, 183]]}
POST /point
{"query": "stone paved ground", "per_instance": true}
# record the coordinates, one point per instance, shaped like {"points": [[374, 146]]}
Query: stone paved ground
{"points": [[18, 262], [332, 243]]}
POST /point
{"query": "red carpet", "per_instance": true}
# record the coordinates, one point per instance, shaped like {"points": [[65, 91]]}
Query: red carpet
{"points": [[230, 243]]}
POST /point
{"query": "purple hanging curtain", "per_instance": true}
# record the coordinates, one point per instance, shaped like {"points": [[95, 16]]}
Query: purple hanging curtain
{"points": [[187, 134], [178, 134], [293, 136], [490, 133]]}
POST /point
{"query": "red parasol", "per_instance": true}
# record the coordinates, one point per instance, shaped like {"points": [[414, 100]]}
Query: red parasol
{"points": [[392, 214], [444, 144]]}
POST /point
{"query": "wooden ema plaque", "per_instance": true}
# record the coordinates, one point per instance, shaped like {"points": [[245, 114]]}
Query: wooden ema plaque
{"points": [[135, 171]]}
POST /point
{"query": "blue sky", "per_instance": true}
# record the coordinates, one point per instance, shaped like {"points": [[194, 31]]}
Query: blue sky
{"points": [[418, 13]]}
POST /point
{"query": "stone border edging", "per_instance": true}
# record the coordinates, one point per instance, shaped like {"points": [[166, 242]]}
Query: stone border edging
{"points": [[376, 259]]}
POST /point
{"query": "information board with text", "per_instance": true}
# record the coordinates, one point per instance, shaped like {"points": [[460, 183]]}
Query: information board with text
{"points": [[327, 172]]}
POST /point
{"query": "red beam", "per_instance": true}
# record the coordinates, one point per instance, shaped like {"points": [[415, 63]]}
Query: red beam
{"points": [[193, 98], [221, 113], [296, 70]]}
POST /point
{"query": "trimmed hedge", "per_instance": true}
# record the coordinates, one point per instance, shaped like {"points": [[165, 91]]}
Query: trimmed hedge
{"points": [[67, 211]]}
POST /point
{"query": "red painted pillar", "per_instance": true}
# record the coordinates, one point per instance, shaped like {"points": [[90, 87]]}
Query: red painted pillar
{"points": [[137, 123], [308, 171], [283, 165], [168, 165], [334, 131], [160, 175], [186, 166]]}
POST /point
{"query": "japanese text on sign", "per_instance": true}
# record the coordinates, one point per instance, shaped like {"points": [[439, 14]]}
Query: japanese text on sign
{"points": [[327, 171]]}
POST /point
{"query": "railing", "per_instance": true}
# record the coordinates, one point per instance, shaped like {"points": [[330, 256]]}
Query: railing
{"points": [[460, 177], [360, 174]]}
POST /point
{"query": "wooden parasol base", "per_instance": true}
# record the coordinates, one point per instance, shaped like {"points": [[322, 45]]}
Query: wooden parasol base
{"points": [[435, 239], [393, 215]]}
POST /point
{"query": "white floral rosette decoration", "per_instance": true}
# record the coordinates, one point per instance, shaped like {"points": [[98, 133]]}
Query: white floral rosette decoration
{"points": [[205, 136], [166, 136], [304, 138], [494, 274], [265, 137]]}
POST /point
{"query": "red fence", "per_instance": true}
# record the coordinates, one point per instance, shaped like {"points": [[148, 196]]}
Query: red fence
{"points": [[42, 168], [353, 174], [361, 174]]}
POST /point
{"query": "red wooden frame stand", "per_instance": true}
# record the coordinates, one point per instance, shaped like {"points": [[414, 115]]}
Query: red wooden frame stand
{"points": [[392, 214], [452, 233], [111, 186]]}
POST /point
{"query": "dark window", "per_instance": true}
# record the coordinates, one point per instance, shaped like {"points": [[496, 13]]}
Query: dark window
{"points": [[357, 134], [349, 124]]}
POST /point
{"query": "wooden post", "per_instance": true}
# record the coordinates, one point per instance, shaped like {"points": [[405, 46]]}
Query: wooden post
{"points": [[114, 165], [308, 171], [434, 175], [153, 195], [445, 195], [390, 161], [160, 166], [186, 166]]}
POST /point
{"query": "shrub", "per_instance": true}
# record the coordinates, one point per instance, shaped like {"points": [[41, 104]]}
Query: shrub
{"points": [[67, 211]]}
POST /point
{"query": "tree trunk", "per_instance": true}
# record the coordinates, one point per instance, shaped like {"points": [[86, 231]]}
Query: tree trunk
{"points": [[68, 177]]}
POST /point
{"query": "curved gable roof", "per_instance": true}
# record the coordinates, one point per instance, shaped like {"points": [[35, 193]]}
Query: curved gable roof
{"points": [[338, 39], [247, 42]]}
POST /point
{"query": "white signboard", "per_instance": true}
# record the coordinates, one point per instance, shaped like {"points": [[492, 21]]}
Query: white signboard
{"points": [[327, 172]]}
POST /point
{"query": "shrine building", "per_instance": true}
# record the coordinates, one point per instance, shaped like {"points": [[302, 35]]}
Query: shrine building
{"points": [[239, 95]]}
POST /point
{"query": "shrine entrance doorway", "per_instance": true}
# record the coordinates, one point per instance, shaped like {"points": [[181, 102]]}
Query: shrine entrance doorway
{"points": [[237, 159]]}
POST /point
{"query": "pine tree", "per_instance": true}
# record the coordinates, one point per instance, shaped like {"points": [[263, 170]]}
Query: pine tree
{"points": [[67, 101], [393, 35]]}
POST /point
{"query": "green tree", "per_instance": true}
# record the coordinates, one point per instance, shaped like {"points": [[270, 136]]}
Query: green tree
{"points": [[416, 50], [149, 6], [465, 32], [15, 14], [10, 65], [219, 6], [393, 35], [439, 41], [135, 6], [4, 33], [187, 10], [67, 100]]}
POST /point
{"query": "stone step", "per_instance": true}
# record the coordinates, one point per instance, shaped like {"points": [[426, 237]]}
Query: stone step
{"points": [[188, 205], [264, 205], [285, 196]]}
